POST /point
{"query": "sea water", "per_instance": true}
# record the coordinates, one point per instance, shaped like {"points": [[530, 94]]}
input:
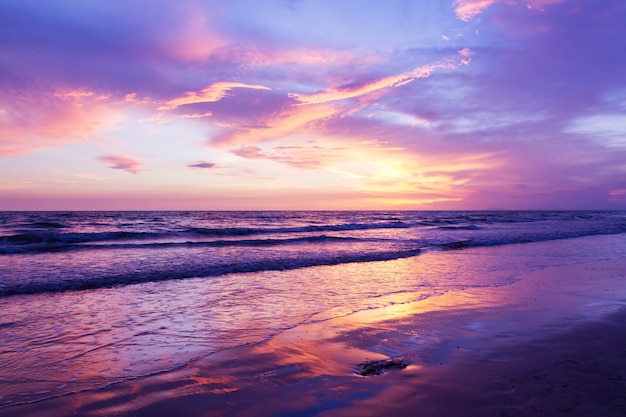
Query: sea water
{"points": [[90, 299]]}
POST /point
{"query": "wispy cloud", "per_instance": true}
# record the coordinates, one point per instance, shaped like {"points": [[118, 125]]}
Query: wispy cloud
{"points": [[122, 162], [31, 120], [341, 93], [212, 93], [282, 122], [466, 9], [302, 157], [311, 112], [202, 164]]}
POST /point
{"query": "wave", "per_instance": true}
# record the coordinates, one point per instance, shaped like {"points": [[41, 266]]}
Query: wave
{"points": [[460, 227], [45, 225], [302, 229], [62, 247], [175, 249], [511, 240], [280, 260], [183, 271], [38, 241], [35, 242], [44, 240]]}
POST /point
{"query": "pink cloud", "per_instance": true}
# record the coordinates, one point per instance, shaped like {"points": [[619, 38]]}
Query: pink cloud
{"points": [[392, 81], [36, 119], [193, 40], [540, 4], [286, 117], [312, 112], [196, 115], [303, 157], [282, 122], [322, 107], [466, 9], [311, 58], [122, 162], [212, 93], [341, 93]]}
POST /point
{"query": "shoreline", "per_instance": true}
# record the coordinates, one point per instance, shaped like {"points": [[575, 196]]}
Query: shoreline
{"points": [[550, 343]]}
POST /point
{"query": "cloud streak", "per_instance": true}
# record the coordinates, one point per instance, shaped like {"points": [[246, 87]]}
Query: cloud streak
{"points": [[393, 81], [311, 157], [202, 165], [123, 163], [210, 94], [467, 9]]}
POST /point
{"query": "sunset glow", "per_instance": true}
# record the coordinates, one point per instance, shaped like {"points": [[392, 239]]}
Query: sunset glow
{"points": [[295, 104]]}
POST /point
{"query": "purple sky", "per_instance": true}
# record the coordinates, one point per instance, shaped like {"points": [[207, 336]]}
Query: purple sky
{"points": [[312, 104]]}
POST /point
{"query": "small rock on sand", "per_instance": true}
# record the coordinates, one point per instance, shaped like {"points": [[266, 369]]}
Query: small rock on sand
{"points": [[378, 367]]}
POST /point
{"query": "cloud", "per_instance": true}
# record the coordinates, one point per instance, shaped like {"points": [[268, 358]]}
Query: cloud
{"points": [[466, 9], [195, 115], [212, 93], [122, 162], [202, 164], [608, 129], [393, 81], [34, 119], [301, 157], [279, 124], [341, 93], [312, 112], [96, 44], [311, 58], [563, 66], [397, 80]]}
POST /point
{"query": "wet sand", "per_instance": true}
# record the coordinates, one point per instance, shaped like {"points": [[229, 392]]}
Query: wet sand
{"points": [[553, 343]]}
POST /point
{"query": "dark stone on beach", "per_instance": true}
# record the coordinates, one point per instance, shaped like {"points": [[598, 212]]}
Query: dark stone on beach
{"points": [[378, 367]]}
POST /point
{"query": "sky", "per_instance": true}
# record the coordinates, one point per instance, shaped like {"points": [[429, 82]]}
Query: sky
{"points": [[312, 104]]}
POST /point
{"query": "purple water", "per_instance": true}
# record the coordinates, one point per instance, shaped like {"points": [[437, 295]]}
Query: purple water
{"points": [[89, 299]]}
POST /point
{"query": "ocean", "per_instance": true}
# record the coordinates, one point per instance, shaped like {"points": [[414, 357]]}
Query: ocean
{"points": [[92, 299]]}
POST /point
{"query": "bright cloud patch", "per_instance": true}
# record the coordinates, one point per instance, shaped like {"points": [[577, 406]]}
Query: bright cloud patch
{"points": [[31, 120], [609, 129], [466, 9]]}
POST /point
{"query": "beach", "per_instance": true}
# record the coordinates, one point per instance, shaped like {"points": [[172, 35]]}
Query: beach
{"points": [[290, 208], [548, 341]]}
